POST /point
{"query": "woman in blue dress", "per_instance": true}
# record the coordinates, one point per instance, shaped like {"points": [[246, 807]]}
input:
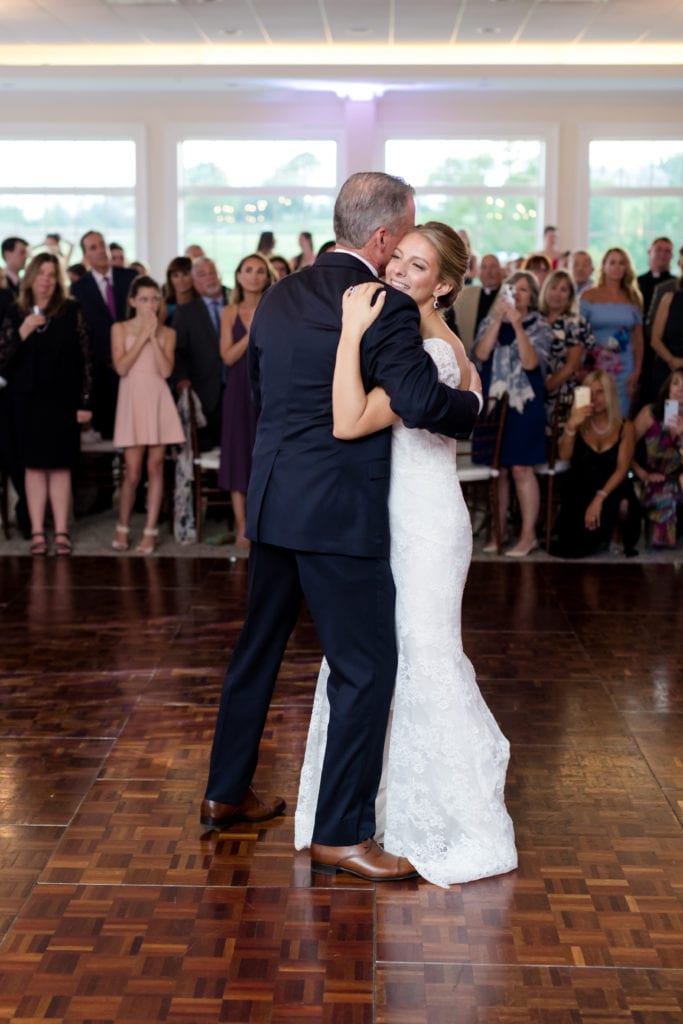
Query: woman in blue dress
{"points": [[512, 348], [614, 311]]}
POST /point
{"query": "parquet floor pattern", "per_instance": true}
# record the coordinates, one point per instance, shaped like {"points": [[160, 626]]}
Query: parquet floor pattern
{"points": [[114, 906]]}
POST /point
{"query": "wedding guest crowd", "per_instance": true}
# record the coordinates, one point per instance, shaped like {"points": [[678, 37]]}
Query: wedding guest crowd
{"points": [[538, 326]]}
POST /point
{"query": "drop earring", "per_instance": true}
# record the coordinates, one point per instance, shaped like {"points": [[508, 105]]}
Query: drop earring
{"points": [[436, 302]]}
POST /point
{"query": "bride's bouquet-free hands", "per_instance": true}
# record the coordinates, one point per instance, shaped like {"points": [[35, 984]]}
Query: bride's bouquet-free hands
{"points": [[358, 310]]}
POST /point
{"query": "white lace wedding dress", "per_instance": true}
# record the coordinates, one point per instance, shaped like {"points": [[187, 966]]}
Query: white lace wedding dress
{"points": [[441, 800]]}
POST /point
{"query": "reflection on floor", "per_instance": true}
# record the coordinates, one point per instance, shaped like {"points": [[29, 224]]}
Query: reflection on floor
{"points": [[115, 907]]}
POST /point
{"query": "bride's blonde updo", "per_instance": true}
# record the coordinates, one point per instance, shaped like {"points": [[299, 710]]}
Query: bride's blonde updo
{"points": [[453, 255]]}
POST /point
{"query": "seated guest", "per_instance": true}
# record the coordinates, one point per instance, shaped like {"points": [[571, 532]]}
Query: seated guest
{"points": [[659, 462], [512, 348], [599, 446], [572, 339], [50, 387]]}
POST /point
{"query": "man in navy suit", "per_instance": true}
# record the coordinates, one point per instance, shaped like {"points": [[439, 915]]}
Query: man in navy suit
{"points": [[102, 294], [318, 522]]}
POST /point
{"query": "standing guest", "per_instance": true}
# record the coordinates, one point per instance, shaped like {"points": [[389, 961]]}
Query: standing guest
{"points": [[198, 357], [670, 285], [551, 247], [306, 257], [317, 518], [9, 455], [102, 293], [252, 278], [614, 311], [117, 255], [599, 444], [581, 269], [280, 266], [266, 244], [146, 416], [667, 336], [571, 342], [661, 470], [474, 301], [539, 265], [50, 372], [76, 271], [179, 288], [327, 246], [14, 253], [659, 255], [195, 252], [513, 347]]}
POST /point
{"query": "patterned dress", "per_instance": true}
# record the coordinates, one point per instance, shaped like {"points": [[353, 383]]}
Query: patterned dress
{"points": [[661, 498], [568, 330], [612, 325]]}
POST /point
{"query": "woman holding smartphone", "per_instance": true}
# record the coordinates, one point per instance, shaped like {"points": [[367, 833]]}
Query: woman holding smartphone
{"points": [[659, 462]]}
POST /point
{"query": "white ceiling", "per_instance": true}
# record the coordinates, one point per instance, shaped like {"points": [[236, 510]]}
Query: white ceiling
{"points": [[387, 42], [324, 23]]}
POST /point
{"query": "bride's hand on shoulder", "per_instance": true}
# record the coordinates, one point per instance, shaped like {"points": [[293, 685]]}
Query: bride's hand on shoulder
{"points": [[358, 311]]}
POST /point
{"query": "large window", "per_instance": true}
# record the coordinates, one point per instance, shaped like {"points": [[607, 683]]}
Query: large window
{"points": [[230, 190], [636, 194], [493, 188], [68, 186]]}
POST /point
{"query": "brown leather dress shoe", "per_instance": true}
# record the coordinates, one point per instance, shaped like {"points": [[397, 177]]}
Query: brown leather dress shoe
{"points": [[364, 860], [218, 816]]}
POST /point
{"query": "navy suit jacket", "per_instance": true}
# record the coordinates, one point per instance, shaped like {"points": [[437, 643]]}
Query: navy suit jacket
{"points": [[96, 311], [308, 491], [198, 354]]}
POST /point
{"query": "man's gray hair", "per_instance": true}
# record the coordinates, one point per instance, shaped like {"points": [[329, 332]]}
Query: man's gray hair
{"points": [[369, 200]]}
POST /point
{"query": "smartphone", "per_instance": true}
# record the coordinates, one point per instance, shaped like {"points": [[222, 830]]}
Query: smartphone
{"points": [[508, 293], [582, 396], [670, 410]]}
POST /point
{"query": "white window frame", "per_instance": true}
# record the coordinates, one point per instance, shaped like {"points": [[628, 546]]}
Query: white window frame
{"points": [[604, 132], [542, 131], [88, 132]]}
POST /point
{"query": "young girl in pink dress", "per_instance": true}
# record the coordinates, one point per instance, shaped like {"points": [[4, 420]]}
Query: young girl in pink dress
{"points": [[146, 416]]}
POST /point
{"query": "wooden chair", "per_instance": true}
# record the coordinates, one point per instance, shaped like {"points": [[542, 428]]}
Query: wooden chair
{"points": [[553, 466], [205, 486], [479, 465]]}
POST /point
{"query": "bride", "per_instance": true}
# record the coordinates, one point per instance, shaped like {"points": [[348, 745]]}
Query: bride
{"points": [[441, 800]]}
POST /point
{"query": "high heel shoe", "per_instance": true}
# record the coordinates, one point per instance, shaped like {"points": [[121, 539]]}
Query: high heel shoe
{"points": [[121, 545], [520, 551], [142, 548]]}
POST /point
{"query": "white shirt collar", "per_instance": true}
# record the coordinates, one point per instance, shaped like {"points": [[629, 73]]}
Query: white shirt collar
{"points": [[348, 252]]}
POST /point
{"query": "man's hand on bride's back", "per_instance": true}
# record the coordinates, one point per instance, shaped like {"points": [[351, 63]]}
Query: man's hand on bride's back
{"points": [[475, 383], [358, 310]]}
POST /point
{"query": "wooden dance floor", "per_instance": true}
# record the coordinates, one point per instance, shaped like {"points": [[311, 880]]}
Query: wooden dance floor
{"points": [[115, 907]]}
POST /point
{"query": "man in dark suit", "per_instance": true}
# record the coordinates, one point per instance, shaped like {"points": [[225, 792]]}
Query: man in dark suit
{"points": [[318, 521], [15, 252], [198, 360], [102, 294], [475, 301]]}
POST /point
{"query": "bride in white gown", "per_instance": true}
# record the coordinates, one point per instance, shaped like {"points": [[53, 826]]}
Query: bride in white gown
{"points": [[441, 800]]}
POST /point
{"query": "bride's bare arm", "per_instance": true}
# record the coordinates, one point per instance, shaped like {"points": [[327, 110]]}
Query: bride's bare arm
{"points": [[356, 413]]}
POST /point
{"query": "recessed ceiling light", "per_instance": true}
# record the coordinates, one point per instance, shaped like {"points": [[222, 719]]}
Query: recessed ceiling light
{"points": [[488, 30], [358, 30], [232, 32]]}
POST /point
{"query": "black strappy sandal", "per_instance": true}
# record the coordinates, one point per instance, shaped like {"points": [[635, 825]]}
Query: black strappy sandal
{"points": [[63, 547], [38, 547]]}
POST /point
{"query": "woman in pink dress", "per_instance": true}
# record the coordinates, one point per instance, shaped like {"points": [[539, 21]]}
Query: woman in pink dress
{"points": [[146, 416]]}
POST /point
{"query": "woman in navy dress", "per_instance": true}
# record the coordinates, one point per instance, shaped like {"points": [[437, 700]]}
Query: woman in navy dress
{"points": [[512, 347], [253, 277]]}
